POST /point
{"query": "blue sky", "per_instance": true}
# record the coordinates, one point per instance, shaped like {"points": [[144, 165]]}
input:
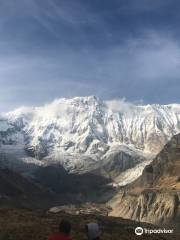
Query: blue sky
{"points": [[112, 49]]}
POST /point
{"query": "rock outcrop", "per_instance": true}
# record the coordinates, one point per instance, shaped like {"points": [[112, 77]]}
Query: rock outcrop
{"points": [[148, 206], [155, 196]]}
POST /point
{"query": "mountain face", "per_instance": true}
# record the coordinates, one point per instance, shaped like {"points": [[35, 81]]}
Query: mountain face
{"points": [[155, 196], [85, 132], [164, 171], [89, 125]]}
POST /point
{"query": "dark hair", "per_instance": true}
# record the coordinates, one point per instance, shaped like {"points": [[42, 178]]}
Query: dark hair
{"points": [[86, 231], [65, 227]]}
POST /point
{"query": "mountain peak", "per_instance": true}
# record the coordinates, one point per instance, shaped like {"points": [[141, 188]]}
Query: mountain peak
{"points": [[86, 125]]}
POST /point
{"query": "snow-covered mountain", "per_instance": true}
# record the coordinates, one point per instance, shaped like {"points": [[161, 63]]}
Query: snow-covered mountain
{"points": [[88, 126]]}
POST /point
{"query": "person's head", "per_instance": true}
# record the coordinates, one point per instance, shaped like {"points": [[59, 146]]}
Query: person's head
{"points": [[65, 227], [92, 230]]}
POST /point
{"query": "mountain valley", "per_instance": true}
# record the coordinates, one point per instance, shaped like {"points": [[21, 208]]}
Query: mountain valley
{"points": [[80, 151]]}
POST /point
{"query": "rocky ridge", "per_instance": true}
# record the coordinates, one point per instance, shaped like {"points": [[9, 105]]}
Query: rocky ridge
{"points": [[155, 196]]}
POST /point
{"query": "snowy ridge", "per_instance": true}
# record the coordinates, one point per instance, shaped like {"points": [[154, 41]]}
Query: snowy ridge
{"points": [[89, 125], [83, 131]]}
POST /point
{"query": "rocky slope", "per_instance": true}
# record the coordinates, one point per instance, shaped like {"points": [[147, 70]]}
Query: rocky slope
{"points": [[50, 186], [74, 188], [17, 191], [84, 133], [155, 196]]}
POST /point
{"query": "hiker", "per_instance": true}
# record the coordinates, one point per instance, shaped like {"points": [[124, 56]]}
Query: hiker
{"points": [[92, 231], [64, 231]]}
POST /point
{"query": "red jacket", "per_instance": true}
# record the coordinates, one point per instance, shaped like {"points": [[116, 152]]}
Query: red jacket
{"points": [[59, 236]]}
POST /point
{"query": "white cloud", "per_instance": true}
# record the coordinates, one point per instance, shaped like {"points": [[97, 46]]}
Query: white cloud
{"points": [[120, 105]]}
